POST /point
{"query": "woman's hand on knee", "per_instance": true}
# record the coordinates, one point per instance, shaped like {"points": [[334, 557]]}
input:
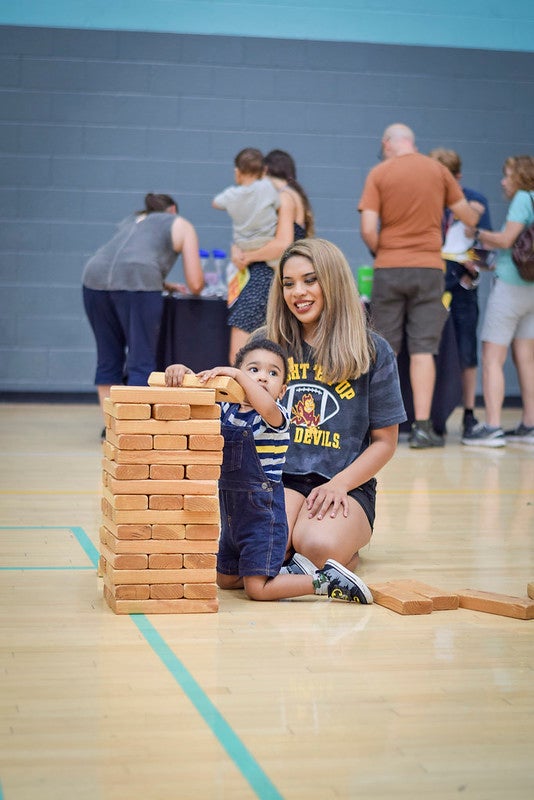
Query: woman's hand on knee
{"points": [[327, 499]]}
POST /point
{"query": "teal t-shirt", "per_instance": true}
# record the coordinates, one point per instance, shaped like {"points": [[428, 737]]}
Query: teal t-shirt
{"points": [[520, 210]]}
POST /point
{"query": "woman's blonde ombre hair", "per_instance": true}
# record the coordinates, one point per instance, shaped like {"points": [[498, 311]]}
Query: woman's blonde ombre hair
{"points": [[342, 344]]}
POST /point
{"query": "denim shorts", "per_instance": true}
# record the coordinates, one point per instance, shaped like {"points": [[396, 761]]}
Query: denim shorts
{"points": [[254, 530], [365, 495]]}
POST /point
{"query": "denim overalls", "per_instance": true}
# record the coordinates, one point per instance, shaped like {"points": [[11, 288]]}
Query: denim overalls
{"points": [[253, 519]]}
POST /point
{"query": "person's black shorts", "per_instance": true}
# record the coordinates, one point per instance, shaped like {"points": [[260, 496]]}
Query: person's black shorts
{"points": [[365, 495]]}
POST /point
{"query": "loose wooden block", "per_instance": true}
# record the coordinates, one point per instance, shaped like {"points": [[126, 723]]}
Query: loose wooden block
{"points": [[127, 410], [530, 588], [150, 394], [173, 411], [205, 441], [206, 472], [226, 389], [441, 601], [174, 472], [165, 561], [493, 603], [125, 472], [401, 600], [160, 606]]}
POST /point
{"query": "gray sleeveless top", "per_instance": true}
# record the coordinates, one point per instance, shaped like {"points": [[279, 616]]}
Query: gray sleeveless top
{"points": [[137, 259]]}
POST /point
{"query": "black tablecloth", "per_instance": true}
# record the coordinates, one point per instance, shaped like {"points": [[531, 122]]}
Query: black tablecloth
{"points": [[448, 389], [194, 332]]}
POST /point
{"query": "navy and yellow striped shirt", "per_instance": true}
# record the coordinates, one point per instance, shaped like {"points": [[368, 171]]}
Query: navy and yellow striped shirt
{"points": [[271, 443]]}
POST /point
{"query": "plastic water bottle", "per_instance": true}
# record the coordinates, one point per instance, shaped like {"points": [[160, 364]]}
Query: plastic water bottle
{"points": [[219, 262], [210, 277]]}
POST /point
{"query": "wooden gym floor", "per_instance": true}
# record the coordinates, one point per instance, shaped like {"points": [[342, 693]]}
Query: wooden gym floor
{"points": [[300, 699]]}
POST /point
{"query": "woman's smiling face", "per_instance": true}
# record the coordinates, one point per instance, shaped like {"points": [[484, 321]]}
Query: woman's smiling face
{"points": [[302, 293]]}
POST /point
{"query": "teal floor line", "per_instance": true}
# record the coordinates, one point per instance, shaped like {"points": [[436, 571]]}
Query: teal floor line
{"points": [[227, 738]]}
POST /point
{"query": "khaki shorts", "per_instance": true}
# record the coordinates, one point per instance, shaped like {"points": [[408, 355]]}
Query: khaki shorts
{"points": [[409, 299]]}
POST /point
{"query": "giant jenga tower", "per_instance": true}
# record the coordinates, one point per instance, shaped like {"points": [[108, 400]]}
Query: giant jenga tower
{"points": [[162, 457]]}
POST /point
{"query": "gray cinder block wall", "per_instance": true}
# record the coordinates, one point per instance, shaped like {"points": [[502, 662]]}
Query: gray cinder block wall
{"points": [[92, 120]]}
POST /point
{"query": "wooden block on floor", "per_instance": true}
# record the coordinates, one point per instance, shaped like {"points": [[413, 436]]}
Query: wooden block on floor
{"points": [[493, 603], [441, 601], [183, 606], [530, 589], [152, 394], [399, 599], [226, 389]]}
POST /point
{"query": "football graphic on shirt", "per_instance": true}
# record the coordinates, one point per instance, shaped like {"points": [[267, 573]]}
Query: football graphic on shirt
{"points": [[310, 405]]}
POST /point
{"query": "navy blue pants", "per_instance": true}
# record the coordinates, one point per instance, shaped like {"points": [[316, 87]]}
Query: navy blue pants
{"points": [[126, 328]]}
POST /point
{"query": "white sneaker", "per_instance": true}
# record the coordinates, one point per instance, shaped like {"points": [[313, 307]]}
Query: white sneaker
{"points": [[484, 436], [299, 565]]}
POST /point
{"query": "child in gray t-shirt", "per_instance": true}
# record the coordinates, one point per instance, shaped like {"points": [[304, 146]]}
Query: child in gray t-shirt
{"points": [[252, 204]]}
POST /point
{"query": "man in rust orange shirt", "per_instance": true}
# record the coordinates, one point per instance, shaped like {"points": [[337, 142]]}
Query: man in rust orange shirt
{"points": [[401, 212]]}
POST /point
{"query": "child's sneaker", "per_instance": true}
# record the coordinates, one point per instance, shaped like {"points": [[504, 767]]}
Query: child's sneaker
{"points": [[485, 436], [523, 434], [298, 565], [339, 583]]}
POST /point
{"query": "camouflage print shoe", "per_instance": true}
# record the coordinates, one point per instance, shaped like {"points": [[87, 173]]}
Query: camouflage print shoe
{"points": [[339, 583]]}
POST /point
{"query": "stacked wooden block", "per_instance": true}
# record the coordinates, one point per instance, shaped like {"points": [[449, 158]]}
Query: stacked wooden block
{"points": [[159, 537]]}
